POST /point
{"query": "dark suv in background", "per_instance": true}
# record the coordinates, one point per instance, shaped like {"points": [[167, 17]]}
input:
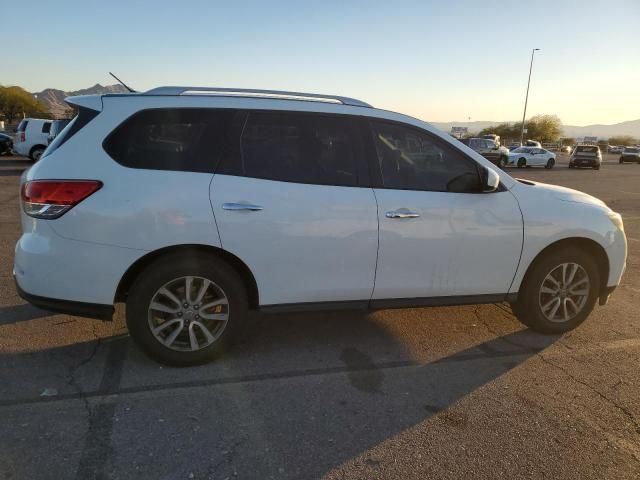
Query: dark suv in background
{"points": [[586, 156], [492, 151]]}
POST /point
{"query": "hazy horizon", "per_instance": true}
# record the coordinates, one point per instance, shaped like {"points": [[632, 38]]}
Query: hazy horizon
{"points": [[424, 59]]}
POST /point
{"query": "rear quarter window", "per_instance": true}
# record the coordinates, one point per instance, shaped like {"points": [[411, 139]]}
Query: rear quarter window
{"points": [[179, 139], [23, 125]]}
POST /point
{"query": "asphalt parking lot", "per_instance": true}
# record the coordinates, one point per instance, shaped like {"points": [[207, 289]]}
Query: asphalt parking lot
{"points": [[463, 392]]}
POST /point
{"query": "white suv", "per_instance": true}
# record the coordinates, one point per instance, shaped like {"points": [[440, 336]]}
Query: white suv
{"points": [[195, 205], [32, 137]]}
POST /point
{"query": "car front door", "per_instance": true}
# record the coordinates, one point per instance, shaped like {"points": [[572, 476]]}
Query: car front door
{"points": [[440, 236], [289, 201]]}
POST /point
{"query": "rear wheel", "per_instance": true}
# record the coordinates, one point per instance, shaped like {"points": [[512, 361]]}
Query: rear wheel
{"points": [[36, 153], [550, 163], [186, 309], [559, 291]]}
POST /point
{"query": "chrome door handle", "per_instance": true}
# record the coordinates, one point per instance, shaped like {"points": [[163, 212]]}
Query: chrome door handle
{"points": [[242, 206], [401, 213]]}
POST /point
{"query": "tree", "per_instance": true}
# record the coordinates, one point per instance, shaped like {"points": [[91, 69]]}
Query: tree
{"points": [[544, 128], [625, 140], [16, 102]]}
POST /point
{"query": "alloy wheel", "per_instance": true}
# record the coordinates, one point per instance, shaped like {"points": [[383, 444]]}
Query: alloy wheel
{"points": [[564, 292], [188, 313]]}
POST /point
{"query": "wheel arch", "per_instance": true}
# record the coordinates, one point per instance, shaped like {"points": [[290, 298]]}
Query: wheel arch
{"points": [[36, 147], [592, 247], [236, 263]]}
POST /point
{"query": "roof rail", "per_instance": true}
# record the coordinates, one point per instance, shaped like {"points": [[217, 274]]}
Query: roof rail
{"points": [[245, 92]]}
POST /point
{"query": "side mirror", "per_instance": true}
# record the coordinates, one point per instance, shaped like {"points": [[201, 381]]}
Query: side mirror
{"points": [[490, 180]]}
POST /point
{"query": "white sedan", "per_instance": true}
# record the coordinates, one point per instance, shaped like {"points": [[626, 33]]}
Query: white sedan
{"points": [[530, 157]]}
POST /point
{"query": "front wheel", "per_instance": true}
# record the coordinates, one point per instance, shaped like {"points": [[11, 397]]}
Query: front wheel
{"points": [[522, 162], [186, 309], [559, 291]]}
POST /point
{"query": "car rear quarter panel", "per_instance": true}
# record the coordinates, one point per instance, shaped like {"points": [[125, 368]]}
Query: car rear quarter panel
{"points": [[136, 208]]}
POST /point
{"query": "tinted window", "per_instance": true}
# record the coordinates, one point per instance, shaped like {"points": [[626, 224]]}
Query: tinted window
{"points": [[170, 139], [299, 147], [476, 143], [411, 159], [23, 125], [46, 127], [586, 149]]}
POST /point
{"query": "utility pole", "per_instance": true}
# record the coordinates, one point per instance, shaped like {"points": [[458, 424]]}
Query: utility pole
{"points": [[526, 98]]}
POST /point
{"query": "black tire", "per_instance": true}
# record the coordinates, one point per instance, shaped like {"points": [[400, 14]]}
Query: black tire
{"points": [[571, 166], [528, 309], [596, 167], [522, 162], [36, 152], [550, 163], [163, 271]]}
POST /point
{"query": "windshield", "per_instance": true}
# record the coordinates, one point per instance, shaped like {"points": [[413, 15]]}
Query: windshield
{"points": [[521, 150]]}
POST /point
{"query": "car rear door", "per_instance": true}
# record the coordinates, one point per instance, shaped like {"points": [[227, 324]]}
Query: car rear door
{"points": [[291, 200], [440, 238]]}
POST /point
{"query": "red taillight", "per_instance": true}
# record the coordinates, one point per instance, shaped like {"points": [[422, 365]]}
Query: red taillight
{"points": [[53, 198], [23, 137]]}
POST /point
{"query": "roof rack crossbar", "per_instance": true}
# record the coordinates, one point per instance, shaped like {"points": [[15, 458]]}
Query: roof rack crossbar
{"points": [[256, 93]]}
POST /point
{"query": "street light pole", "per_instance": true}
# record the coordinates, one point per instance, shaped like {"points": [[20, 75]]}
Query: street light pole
{"points": [[526, 98]]}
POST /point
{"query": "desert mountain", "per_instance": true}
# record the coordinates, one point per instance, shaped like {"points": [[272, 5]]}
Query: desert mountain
{"points": [[54, 99]]}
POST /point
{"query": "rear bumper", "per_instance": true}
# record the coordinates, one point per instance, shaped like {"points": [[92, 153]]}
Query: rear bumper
{"points": [[21, 148], [584, 162], [82, 309]]}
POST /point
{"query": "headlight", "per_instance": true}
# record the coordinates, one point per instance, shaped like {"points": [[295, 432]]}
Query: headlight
{"points": [[616, 219]]}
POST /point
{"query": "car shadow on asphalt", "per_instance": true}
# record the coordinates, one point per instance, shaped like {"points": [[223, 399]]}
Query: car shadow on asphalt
{"points": [[20, 313], [315, 390]]}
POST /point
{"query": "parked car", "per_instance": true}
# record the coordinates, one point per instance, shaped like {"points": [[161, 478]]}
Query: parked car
{"points": [[630, 154], [493, 152], [194, 206], [56, 127], [32, 137], [615, 149], [6, 144], [530, 157], [586, 156]]}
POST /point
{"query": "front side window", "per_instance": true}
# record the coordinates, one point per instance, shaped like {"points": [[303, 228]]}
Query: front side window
{"points": [[300, 147], [413, 160], [181, 139]]}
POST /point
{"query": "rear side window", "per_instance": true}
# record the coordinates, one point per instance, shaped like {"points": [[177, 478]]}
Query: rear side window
{"points": [[23, 125], [414, 160], [182, 139], [300, 147], [46, 127]]}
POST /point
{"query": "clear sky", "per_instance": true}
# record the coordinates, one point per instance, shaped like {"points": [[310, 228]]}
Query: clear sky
{"points": [[436, 60]]}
